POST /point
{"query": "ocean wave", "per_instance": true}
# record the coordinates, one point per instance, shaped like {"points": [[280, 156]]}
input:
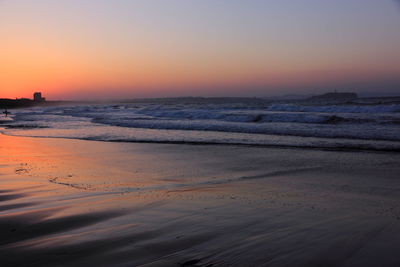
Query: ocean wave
{"points": [[236, 123], [367, 131], [115, 134], [261, 116], [6, 120]]}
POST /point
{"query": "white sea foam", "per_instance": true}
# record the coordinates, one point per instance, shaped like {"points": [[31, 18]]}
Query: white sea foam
{"points": [[4, 119], [276, 124]]}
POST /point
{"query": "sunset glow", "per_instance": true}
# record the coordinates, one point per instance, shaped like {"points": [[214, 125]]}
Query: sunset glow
{"points": [[94, 49]]}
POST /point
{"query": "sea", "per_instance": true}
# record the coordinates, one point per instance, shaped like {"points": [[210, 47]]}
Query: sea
{"points": [[370, 124]]}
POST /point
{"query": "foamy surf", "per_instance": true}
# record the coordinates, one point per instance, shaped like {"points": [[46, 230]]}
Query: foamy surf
{"points": [[375, 127]]}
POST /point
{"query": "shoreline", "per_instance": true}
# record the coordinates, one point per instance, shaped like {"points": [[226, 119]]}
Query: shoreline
{"points": [[141, 204], [201, 143]]}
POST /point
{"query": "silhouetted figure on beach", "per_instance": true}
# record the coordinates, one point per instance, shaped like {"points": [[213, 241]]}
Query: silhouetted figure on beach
{"points": [[6, 112]]}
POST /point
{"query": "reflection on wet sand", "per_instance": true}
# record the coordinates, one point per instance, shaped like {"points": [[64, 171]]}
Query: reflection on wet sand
{"points": [[69, 202]]}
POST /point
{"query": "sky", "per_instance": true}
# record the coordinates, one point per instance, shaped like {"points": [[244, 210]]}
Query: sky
{"points": [[74, 49]]}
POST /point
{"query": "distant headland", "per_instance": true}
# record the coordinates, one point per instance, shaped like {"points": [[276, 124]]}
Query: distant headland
{"points": [[38, 99], [22, 102], [334, 97], [330, 98]]}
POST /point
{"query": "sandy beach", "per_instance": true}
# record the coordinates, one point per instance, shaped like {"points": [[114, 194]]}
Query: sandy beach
{"points": [[74, 203]]}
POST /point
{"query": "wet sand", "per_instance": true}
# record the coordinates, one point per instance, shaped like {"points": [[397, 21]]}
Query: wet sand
{"points": [[75, 203]]}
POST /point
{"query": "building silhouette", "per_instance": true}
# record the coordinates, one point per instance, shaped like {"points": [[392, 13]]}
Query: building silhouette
{"points": [[37, 97]]}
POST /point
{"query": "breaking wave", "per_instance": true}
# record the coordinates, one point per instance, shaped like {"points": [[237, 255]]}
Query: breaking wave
{"points": [[272, 124]]}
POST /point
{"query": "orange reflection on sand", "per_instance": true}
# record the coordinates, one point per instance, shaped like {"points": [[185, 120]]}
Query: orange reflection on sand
{"points": [[69, 177], [81, 165]]}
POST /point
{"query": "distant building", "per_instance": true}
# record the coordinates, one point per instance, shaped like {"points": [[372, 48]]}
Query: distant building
{"points": [[37, 97]]}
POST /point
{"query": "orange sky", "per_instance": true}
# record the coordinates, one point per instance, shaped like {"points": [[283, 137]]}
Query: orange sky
{"points": [[121, 49]]}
